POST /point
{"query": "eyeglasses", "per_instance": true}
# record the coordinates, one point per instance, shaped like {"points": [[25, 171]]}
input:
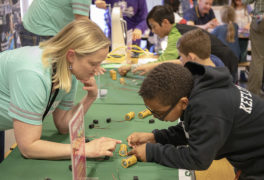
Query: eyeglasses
{"points": [[162, 117]]}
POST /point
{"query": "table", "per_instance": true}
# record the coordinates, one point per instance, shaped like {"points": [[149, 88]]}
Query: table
{"points": [[120, 100]]}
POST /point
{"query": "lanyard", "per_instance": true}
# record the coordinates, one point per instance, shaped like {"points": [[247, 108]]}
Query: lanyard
{"points": [[50, 102]]}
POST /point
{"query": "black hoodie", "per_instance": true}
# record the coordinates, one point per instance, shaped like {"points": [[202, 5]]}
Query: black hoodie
{"points": [[221, 120]]}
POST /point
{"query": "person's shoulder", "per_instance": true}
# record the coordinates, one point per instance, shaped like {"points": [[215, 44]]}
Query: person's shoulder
{"points": [[189, 13], [222, 26], [236, 25], [30, 53], [27, 49], [217, 29], [23, 54], [211, 13], [174, 29], [190, 10]]}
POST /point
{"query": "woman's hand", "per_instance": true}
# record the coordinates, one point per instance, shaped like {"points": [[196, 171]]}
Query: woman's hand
{"points": [[103, 146], [100, 70], [91, 87]]}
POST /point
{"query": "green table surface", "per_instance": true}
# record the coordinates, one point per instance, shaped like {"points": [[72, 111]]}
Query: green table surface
{"points": [[115, 105], [118, 93]]}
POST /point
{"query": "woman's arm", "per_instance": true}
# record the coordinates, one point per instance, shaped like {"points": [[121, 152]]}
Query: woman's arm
{"points": [[31, 146], [61, 117]]}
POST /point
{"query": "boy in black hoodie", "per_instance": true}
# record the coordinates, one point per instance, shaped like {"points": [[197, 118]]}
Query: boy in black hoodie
{"points": [[218, 119]]}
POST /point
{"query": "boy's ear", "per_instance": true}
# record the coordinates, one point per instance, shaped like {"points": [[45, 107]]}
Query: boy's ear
{"points": [[184, 102], [165, 21]]}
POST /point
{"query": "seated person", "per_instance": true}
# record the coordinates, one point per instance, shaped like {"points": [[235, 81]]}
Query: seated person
{"points": [[243, 20], [228, 31], [195, 46], [161, 21], [201, 15]]}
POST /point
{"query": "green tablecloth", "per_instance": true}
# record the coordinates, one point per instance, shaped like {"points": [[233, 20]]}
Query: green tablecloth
{"points": [[118, 93], [115, 105]]}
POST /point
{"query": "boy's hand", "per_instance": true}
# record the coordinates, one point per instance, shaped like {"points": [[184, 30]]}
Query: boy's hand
{"points": [[139, 138], [140, 152], [145, 68], [123, 70]]}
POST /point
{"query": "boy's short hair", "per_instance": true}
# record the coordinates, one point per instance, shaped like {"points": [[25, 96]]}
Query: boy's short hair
{"points": [[195, 41], [159, 13], [167, 83]]}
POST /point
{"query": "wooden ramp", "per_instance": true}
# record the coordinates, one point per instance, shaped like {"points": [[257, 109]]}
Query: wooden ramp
{"points": [[219, 170]]}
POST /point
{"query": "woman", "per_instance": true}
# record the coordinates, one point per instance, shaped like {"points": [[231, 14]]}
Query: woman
{"points": [[32, 76], [228, 31], [243, 19]]}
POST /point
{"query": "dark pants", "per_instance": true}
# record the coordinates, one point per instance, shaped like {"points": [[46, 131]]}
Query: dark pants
{"points": [[30, 39], [2, 145], [243, 44]]}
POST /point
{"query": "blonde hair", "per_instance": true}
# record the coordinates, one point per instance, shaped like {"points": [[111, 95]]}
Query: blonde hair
{"points": [[83, 36], [228, 16]]}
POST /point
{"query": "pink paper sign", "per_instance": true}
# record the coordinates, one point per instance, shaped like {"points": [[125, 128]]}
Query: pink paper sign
{"points": [[77, 137]]}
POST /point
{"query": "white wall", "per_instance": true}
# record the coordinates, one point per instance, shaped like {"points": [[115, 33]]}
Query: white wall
{"points": [[24, 6]]}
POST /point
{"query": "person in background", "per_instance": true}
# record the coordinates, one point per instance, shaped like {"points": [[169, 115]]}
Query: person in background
{"points": [[161, 21], [8, 34], [201, 15], [134, 13], [191, 49], [45, 18], [31, 75], [243, 20], [189, 43], [160, 44], [228, 31], [257, 45]]}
